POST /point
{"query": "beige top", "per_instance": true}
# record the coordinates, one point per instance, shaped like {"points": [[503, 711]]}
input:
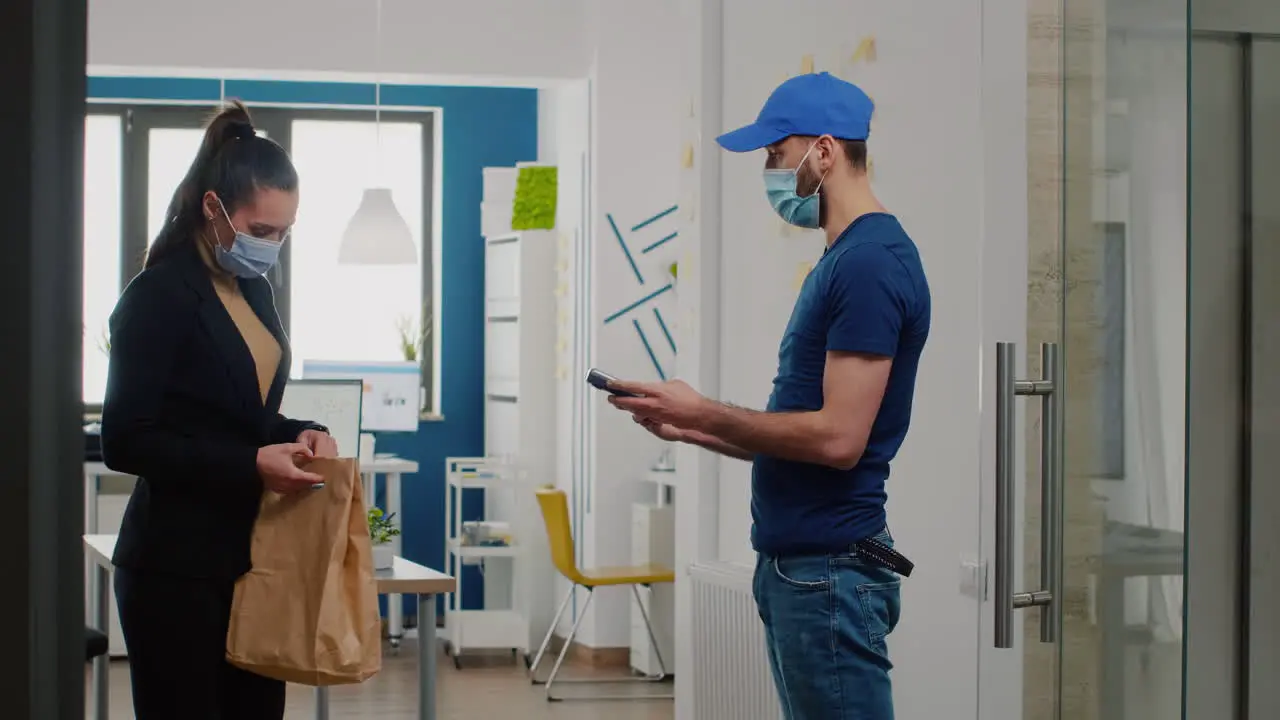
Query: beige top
{"points": [[262, 344]]}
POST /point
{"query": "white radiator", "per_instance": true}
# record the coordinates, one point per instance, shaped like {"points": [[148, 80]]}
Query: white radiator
{"points": [[732, 679]]}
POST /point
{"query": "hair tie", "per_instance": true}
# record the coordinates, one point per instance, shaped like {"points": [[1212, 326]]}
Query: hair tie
{"points": [[240, 130]]}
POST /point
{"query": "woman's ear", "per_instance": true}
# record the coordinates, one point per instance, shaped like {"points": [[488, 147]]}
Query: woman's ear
{"points": [[210, 206]]}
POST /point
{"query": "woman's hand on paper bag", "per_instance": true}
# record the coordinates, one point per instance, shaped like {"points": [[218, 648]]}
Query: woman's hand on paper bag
{"points": [[320, 443], [277, 465]]}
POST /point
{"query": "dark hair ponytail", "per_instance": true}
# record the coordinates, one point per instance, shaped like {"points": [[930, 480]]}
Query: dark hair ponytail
{"points": [[233, 162]]}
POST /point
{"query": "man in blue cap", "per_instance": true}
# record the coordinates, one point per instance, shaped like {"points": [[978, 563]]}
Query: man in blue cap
{"points": [[827, 577]]}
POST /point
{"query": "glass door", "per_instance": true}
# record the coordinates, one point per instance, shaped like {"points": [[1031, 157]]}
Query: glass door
{"points": [[1124, 322], [1099, 385]]}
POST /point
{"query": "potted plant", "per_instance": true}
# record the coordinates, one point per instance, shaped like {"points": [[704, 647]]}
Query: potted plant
{"points": [[414, 342], [381, 531]]}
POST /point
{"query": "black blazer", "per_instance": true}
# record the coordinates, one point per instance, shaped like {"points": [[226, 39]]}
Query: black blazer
{"points": [[184, 413]]}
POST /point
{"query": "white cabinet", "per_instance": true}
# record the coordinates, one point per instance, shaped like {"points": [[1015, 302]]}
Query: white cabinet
{"points": [[653, 534], [520, 334], [519, 400]]}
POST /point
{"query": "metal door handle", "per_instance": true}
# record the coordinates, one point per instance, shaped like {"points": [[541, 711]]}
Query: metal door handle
{"points": [[1049, 389]]}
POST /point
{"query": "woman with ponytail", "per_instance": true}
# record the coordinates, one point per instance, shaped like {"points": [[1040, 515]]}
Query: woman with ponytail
{"points": [[198, 366]]}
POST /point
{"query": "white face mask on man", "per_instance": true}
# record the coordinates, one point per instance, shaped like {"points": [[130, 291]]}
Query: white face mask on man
{"points": [[780, 187]]}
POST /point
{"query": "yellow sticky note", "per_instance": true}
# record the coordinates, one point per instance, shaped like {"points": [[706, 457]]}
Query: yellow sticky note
{"points": [[686, 160], [806, 65], [564, 241], [561, 290], [562, 373], [561, 345], [802, 272], [563, 317], [866, 51], [562, 266]]}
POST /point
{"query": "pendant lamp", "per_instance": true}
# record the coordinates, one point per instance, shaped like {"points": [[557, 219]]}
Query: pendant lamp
{"points": [[377, 234]]}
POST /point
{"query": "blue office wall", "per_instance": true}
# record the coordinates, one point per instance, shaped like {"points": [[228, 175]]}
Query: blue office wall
{"points": [[481, 127]]}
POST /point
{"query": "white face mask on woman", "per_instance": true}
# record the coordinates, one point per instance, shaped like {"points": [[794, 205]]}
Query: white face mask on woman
{"points": [[249, 257]]}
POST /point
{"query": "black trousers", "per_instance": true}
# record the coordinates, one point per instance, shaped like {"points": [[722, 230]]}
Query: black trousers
{"points": [[175, 631]]}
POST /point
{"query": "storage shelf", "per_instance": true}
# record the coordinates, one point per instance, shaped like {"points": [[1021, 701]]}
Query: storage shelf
{"points": [[479, 482], [470, 551], [485, 630]]}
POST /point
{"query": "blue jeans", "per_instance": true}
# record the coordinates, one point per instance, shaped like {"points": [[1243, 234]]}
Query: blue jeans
{"points": [[826, 618]]}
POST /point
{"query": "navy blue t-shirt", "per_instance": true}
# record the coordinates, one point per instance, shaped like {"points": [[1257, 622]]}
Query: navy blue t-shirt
{"points": [[867, 294]]}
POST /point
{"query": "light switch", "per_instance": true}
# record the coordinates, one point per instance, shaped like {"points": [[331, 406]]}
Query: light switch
{"points": [[973, 579]]}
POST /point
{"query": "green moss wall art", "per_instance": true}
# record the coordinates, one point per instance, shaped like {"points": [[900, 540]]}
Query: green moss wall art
{"points": [[535, 202]]}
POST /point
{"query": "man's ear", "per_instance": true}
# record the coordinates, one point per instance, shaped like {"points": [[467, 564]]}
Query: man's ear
{"points": [[826, 152]]}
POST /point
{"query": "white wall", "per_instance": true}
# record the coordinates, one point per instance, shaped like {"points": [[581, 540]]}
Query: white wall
{"points": [[564, 130], [949, 150], [508, 41], [635, 154], [615, 139]]}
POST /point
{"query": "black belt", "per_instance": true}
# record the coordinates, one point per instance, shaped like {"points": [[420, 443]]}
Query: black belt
{"points": [[878, 553]]}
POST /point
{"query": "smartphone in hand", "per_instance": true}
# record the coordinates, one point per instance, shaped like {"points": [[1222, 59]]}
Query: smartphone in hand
{"points": [[600, 381]]}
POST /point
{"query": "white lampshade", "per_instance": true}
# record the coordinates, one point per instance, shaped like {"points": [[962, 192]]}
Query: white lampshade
{"points": [[377, 233]]}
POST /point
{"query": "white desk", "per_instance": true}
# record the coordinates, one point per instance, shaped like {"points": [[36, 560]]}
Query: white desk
{"points": [[390, 466], [404, 578]]}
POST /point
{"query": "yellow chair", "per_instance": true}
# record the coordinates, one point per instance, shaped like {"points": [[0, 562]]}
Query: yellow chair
{"points": [[555, 512]]}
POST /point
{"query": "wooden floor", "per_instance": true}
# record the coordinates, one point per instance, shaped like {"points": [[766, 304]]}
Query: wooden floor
{"points": [[484, 688]]}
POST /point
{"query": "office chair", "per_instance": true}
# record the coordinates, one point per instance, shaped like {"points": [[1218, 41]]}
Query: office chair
{"points": [[555, 513]]}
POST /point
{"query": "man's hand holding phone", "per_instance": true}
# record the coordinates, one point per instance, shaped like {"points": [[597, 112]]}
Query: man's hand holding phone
{"points": [[668, 409]]}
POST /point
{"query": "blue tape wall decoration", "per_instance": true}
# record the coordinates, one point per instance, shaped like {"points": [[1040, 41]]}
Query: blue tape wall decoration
{"points": [[661, 242], [666, 332], [645, 223], [648, 349]]}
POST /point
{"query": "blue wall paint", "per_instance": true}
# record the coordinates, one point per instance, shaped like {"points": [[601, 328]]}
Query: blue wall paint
{"points": [[481, 127]]}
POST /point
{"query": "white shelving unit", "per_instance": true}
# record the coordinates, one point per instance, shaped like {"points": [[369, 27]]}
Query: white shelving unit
{"points": [[501, 623], [520, 382]]}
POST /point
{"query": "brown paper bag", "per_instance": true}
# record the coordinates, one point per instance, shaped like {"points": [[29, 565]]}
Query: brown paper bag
{"points": [[307, 612]]}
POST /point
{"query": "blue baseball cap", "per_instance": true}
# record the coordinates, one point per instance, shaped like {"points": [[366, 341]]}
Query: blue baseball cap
{"points": [[814, 104]]}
